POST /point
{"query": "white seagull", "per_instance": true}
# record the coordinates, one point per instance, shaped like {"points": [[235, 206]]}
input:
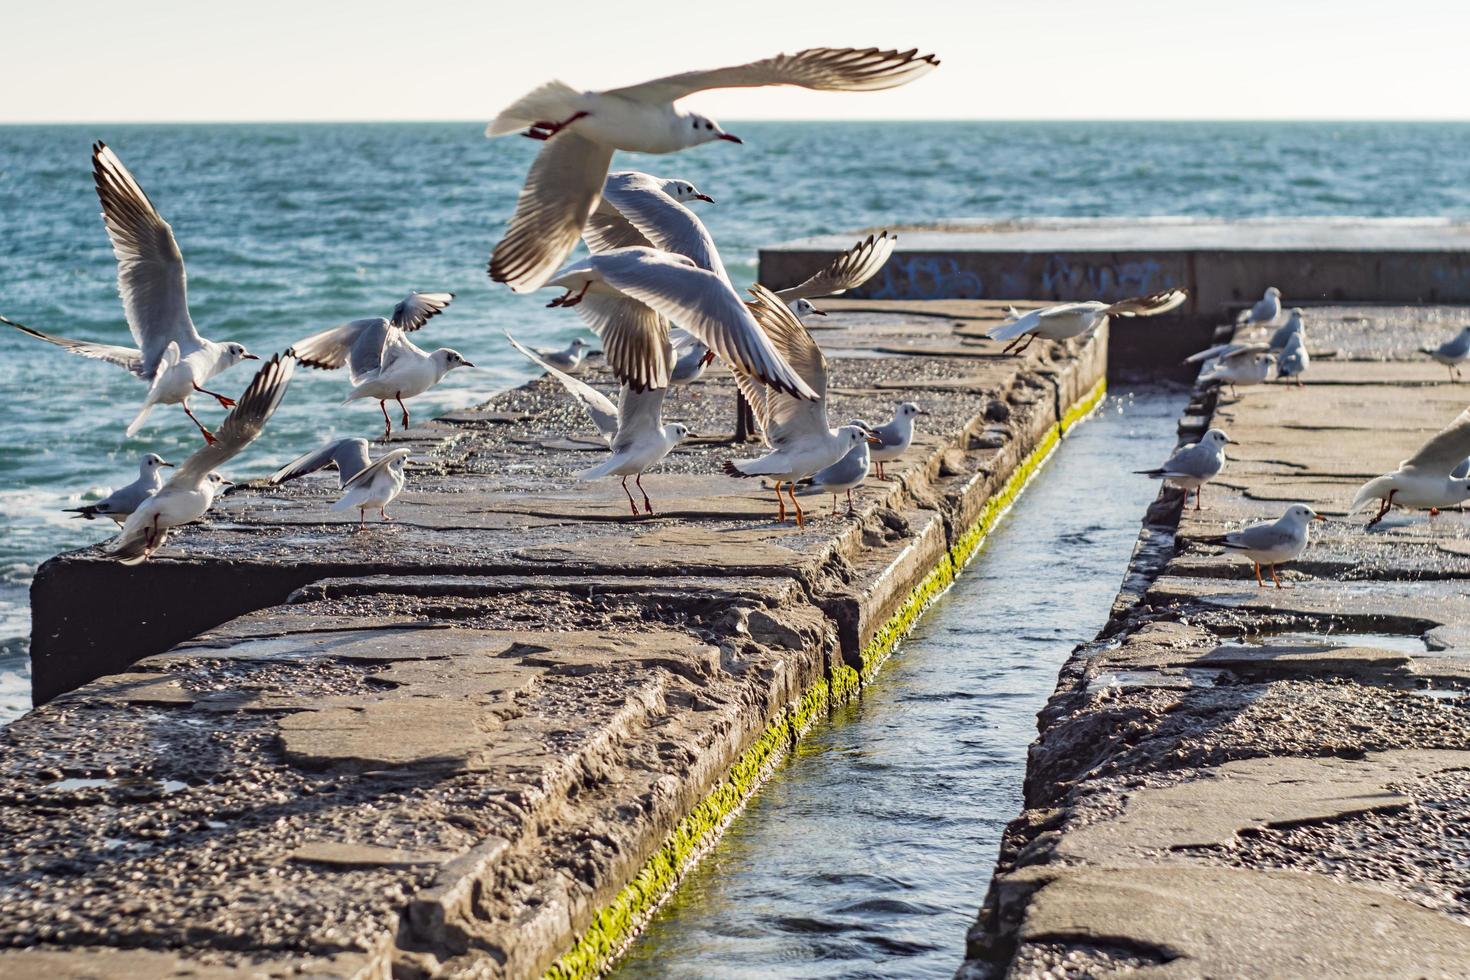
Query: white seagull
{"points": [[123, 501], [1194, 465], [1452, 353], [1287, 330], [1235, 364], [1265, 312], [1271, 542], [795, 429], [171, 356], [633, 428], [375, 487], [691, 357], [348, 456], [1428, 479], [847, 271], [608, 229], [1068, 320], [894, 436], [381, 361], [843, 476], [572, 358], [194, 486], [583, 129], [1293, 360]]}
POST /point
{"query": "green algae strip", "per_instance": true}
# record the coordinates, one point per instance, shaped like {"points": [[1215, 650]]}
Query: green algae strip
{"points": [[619, 922]]}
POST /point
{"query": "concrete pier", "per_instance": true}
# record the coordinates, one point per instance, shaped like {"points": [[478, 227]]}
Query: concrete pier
{"points": [[1260, 782], [487, 739]]}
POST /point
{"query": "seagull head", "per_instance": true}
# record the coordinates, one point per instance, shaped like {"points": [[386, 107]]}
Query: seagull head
{"points": [[151, 464], [235, 353], [1273, 291], [677, 432], [855, 435], [697, 129], [1217, 439], [907, 410], [682, 190], [1302, 514], [580, 345], [446, 359], [802, 308]]}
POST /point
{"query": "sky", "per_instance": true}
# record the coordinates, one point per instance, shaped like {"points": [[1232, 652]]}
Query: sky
{"points": [[224, 60]]}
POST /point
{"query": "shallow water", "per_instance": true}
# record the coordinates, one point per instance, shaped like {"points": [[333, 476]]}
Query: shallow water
{"points": [[288, 229], [869, 852]]}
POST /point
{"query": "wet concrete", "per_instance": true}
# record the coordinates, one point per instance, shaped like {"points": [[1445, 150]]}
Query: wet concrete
{"points": [[489, 737], [1243, 781]]}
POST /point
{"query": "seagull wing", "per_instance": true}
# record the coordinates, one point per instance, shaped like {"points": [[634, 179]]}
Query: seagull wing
{"points": [[850, 269], [603, 412], [150, 267], [663, 221], [825, 69], [639, 416], [418, 308], [783, 417], [1445, 451], [1259, 537], [1226, 352], [350, 456], [704, 304], [558, 197], [1150, 305], [635, 337], [365, 476], [125, 357], [359, 344], [243, 425]]}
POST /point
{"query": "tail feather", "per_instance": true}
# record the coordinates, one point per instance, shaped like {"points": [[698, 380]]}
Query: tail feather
{"points": [[597, 472], [733, 468], [551, 102], [1375, 489], [1016, 327], [169, 360]]}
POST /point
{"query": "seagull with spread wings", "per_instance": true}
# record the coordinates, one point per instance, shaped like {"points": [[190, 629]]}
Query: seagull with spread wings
{"points": [[583, 129], [375, 486], [1426, 480], [171, 356], [849, 270], [382, 363], [1067, 320], [195, 483], [348, 457]]}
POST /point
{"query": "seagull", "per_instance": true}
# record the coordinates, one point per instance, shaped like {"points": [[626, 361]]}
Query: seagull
{"points": [[796, 430], [633, 429], [1428, 480], [1293, 360], [843, 476], [894, 436], [571, 358], [195, 484], [1194, 465], [583, 129], [608, 229], [1452, 353], [375, 487], [849, 270], [122, 502], [1266, 311], [628, 295], [1272, 542], [171, 356], [348, 456], [1244, 367], [1068, 320], [1286, 331], [381, 361], [692, 356]]}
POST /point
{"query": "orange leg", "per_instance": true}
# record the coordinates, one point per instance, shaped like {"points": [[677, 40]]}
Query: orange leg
{"points": [[387, 423], [1197, 491], [1257, 567], [834, 505], [791, 489], [647, 507], [780, 503], [850, 511], [1273, 576], [208, 436], [631, 505], [224, 402], [398, 397], [383, 513]]}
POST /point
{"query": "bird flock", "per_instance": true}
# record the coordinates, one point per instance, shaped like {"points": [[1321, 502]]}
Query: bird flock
{"points": [[1436, 476]]}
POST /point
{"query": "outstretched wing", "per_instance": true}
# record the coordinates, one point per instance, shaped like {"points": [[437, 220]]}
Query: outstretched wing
{"points": [[150, 267], [417, 309], [1150, 305], [125, 357], [244, 423], [825, 69], [603, 412], [366, 474], [783, 417], [662, 221], [639, 413], [1446, 450], [350, 456], [358, 344], [559, 195], [849, 270]]}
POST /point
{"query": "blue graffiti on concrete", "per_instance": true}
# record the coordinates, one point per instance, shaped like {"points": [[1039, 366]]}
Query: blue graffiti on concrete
{"points": [[1074, 278], [981, 276], [924, 277]]}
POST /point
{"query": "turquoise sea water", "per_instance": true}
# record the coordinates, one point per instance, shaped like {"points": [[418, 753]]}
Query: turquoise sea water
{"points": [[287, 229]]}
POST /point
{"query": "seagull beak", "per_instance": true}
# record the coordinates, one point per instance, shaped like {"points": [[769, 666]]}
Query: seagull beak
{"points": [[708, 357], [165, 464], [227, 483], [705, 197], [921, 412], [467, 364], [1318, 517], [731, 137], [1232, 442], [874, 441], [817, 312], [249, 357]]}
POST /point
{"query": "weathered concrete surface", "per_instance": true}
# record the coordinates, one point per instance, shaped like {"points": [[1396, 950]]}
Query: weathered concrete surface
{"points": [[1260, 782], [497, 731], [1223, 262]]}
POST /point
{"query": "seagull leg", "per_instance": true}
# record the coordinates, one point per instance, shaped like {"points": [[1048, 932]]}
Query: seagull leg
{"points": [[383, 513], [1273, 576], [800, 517], [647, 507], [834, 505], [850, 511], [1257, 566], [631, 505], [398, 397], [1383, 511], [544, 130], [224, 402], [568, 300], [1197, 491], [152, 535], [209, 438], [387, 423], [361, 519], [780, 504]]}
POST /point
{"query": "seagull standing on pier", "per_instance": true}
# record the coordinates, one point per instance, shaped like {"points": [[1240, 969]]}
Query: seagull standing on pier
{"points": [[194, 486], [571, 358], [894, 436], [1452, 353], [1293, 326], [1194, 465], [1428, 480], [1068, 320], [1265, 313], [843, 476], [375, 487], [1293, 360], [1271, 543], [1235, 365], [583, 129], [123, 501], [382, 363], [171, 356]]}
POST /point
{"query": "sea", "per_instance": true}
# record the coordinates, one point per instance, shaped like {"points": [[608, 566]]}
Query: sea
{"points": [[287, 229]]}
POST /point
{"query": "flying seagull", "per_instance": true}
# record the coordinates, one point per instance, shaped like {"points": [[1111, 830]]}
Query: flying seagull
{"points": [[1068, 320]]}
